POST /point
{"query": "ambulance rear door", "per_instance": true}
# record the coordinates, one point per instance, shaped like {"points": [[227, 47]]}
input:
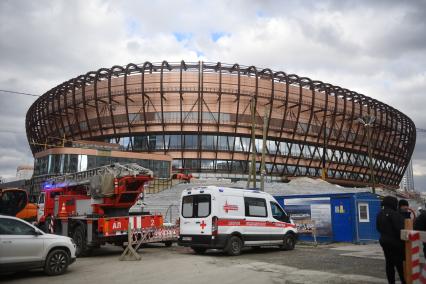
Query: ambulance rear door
{"points": [[196, 214]]}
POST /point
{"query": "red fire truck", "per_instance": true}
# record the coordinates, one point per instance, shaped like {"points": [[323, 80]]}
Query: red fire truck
{"points": [[92, 206]]}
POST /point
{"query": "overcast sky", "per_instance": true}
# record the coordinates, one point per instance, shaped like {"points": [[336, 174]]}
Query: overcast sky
{"points": [[377, 48]]}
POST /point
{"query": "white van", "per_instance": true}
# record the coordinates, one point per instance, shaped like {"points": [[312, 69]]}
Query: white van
{"points": [[231, 218]]}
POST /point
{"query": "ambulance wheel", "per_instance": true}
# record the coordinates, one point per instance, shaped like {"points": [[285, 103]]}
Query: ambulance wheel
{"points": [[234, 246], [289, 242], [79, 237], [198, 250]]}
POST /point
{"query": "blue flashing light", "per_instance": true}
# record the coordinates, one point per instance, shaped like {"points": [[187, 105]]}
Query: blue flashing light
{"points": [[221, 190], [47, 186]]}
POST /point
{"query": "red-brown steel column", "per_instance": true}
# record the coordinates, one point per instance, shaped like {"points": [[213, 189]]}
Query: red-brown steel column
{"points": [[76, 111], [67, 109], [128, 71], [282, 75], [110, 100], [163, 64], [83, 93], [144, 95], [182, 140]]}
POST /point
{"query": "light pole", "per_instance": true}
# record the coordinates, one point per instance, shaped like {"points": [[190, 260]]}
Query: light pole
{"points": [[262, 163], [368, 121], [252, 170]]}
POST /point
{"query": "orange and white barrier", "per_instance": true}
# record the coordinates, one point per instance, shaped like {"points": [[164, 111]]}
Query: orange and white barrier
{"points": [[415, 273], [414, 237]]}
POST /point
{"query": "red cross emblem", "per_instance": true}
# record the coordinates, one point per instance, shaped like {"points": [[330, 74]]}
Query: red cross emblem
{"points": [[203, 225], [228, 207]]}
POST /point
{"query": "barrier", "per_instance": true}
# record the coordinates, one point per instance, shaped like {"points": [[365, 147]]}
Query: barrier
{"points": [[140, 232], [414, 272], [130, 253]]}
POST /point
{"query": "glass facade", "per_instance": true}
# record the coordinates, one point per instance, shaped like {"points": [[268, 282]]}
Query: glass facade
{"points": [[223, 143], [70, 163]]}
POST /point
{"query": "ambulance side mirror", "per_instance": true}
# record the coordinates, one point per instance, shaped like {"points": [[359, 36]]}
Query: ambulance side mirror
{"points": [[286, 218]]}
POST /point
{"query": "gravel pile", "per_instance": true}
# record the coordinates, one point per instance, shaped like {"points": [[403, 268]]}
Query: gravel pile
{"points": [[167, 201]]}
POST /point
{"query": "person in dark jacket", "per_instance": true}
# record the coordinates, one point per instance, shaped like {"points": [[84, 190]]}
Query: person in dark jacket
{"points": [[404, 209], [420, 225], [389, 224]]}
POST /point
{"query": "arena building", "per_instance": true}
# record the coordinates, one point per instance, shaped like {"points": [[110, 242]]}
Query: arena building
{"points": [[200, 115]]}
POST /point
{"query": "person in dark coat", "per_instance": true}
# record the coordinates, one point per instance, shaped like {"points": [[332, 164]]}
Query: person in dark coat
{"points": [[404, 209], [420, 225], [389, 224]]}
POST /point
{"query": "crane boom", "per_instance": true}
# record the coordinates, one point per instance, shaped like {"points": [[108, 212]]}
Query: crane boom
{"points": [[115, 170]]}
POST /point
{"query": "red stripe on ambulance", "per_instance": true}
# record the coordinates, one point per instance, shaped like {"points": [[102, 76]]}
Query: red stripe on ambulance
{"points": [[244, 223]]}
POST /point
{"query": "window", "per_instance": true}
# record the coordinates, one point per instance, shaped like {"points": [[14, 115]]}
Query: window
{"points": [[196, 206], [278, 213], [14, 227], [188, 206], [12, 201], [363, 212], [255, 207], [203, 208], [82, 162], [41, 198]]}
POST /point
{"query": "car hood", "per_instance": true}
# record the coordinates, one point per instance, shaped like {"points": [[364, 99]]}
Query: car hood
{"points": [[57, 237]]}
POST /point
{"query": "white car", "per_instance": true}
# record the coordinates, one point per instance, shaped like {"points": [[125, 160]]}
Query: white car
{"points": [[24, 247]]}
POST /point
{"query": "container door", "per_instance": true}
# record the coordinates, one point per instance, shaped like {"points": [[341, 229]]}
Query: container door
{"points": [[342, 220], [367, 211]]}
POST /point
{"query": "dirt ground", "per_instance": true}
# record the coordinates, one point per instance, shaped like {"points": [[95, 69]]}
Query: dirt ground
{"points": [[306, 264]]}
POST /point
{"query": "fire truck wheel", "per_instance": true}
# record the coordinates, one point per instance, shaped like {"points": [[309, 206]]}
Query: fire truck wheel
{"points": [[234, 246], [289, 242], [79, 237], [198, 250], [168, 244], [56, 262]]}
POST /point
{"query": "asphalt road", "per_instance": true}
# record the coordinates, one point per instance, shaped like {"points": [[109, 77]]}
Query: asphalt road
{"points": [[305, 264]]}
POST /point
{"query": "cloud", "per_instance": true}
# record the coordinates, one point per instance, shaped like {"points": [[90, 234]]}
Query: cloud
{"points": [[377, 48]]}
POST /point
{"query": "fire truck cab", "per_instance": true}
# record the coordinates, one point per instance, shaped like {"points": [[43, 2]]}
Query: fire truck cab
{"points": [[231, 218]]}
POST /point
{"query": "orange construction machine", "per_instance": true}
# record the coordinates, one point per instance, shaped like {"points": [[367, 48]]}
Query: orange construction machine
{"points": [[15, 202], [92, 206], [183, 175]]}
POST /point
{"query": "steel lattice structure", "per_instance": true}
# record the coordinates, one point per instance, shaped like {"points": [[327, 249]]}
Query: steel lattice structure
{"points": [[199, 113]]}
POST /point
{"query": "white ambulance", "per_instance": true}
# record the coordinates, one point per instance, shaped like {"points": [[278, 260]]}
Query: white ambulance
{"points": [[225, 218]]}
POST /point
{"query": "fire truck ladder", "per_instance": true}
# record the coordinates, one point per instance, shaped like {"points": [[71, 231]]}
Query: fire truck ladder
{"points": [[80, 178]]}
